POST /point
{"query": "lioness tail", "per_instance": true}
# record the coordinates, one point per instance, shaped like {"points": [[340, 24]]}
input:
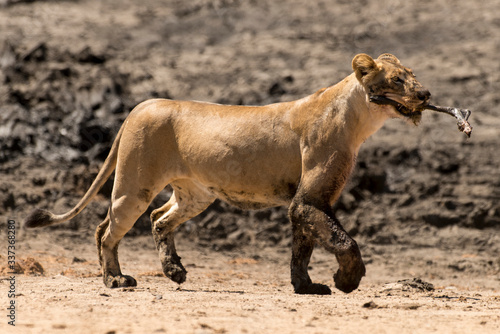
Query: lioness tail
{"points": [[40, 217]]}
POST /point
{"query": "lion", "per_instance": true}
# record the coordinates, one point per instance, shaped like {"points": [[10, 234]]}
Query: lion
{"points": [[297, 154]]}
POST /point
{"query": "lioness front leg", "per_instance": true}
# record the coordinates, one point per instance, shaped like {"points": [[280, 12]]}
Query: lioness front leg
{"points": [[302, 248], [310, 213], [308, 221], [336, 240]]}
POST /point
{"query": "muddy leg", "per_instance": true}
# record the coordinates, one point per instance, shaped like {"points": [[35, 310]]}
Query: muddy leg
{"points": [[336, 240], [163, 226], [302, 248], [170, 261], [333, 237], [186, 202]]}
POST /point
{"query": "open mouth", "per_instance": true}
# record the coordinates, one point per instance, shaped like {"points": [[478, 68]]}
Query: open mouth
{"points": [[401, 108]]}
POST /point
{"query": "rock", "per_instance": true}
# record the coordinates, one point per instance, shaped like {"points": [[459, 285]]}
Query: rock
{"points": [[370, 305], [88, 56], [409, 284], [276, 89], [9, 201], [7, 55], [417, 283], [37, 52], [441, 219]]}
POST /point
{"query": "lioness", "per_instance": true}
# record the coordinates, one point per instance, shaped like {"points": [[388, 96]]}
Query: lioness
{"points": [[298, 154]]}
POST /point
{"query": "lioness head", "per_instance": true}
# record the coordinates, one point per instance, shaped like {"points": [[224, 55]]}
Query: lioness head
{"points": [[390, 83]]}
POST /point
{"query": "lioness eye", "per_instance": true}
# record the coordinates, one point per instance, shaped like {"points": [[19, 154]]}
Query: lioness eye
{"points": [[397, 80]]}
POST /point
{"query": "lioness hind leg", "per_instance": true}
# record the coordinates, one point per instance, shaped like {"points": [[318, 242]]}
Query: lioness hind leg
{"points": [[187, 201], [122, 216], [99, 233]]}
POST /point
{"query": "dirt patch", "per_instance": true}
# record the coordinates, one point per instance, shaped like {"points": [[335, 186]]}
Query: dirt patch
{"points": [[27, 266], [249, 291], [423, 201]]}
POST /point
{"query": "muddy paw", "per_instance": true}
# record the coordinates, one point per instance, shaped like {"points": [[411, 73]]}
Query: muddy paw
{"points": [[313, 289], [121, 281], [175, 271], [348, 282]]}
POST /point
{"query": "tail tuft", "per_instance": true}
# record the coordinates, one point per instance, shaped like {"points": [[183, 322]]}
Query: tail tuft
{"points": [[39, 218]]}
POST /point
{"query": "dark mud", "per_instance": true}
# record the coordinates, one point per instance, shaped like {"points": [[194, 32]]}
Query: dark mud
{"points": [[66, 88]]}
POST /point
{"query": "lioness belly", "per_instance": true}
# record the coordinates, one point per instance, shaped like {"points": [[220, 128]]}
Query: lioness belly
{"points": [[250, 184], [249, 199]]}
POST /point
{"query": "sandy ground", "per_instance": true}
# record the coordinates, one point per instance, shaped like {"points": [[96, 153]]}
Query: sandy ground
{"points": [[244, 291], [423, 202]]}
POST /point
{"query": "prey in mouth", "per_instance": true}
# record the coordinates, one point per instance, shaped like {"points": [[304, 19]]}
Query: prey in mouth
{"points": [[462, 115], [414, 114]]}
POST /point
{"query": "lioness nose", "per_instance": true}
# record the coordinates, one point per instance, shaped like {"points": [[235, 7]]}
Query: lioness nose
{"points": [[423, 94]]}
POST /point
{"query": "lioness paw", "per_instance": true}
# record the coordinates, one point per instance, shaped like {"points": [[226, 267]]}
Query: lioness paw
{"points": [[122, 281]]}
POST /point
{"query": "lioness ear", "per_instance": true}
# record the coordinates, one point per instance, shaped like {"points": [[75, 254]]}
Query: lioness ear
{"points": [[390, 58], [363, 64]]}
